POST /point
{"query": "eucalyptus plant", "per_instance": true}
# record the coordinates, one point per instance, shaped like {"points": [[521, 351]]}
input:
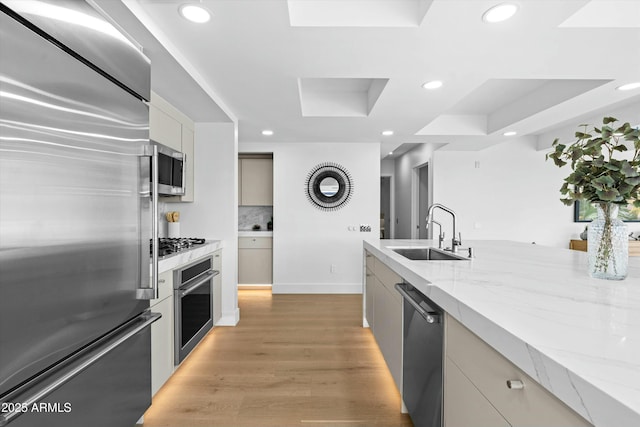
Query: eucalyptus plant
{"points": [[606, 172], [598, 175]]}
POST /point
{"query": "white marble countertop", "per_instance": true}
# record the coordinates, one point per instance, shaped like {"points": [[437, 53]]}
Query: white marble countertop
{"points": [[579, 337], [255, 233], [184, 257]]}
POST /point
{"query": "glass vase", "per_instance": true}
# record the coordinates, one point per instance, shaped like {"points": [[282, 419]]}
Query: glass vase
{"points": [[608, 244]]}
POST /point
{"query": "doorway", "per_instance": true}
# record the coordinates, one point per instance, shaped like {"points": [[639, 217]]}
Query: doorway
{"points": [[385, 207], [422, 200]]}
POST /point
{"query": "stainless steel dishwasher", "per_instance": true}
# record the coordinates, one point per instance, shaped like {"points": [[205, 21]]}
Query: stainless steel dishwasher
{"points": [[423, 338]]}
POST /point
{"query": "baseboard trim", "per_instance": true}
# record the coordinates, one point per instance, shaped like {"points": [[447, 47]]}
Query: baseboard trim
{"points": [[317, 288], [229, 318], [255, 287]]}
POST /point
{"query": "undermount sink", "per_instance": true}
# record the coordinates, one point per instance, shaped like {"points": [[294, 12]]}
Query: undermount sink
{"points": [[428, 254]]}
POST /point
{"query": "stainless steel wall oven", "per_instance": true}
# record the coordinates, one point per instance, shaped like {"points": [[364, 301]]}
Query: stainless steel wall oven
{"points": [[193, 299]]}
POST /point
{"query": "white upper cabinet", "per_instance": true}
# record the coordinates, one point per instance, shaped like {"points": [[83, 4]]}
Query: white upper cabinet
{"points": [[172, 128], [255, 182]]}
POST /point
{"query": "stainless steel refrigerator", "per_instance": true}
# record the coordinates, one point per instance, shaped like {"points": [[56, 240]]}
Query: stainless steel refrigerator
{"points": [[76, 218]]}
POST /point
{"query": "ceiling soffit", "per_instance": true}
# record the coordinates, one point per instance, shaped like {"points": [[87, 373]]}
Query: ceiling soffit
{"points": [[339, 97], [499, 103], [605, 14]]}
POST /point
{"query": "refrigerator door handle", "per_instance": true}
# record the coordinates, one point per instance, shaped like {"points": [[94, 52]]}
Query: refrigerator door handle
{"points": [[56, 380], [151, 292]]}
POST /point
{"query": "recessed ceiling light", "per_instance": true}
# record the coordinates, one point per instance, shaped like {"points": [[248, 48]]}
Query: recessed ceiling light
{"points": [[500, 13], [195, 13], [267, 132], [510, 133], [435, 84], [391, 153], [629, 86], [387, 132]]}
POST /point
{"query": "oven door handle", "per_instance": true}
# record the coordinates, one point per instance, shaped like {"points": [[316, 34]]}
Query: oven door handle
{"points": [[208, 276]]}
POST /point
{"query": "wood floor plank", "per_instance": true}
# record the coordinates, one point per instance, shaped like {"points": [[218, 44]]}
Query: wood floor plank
{"points": [[293, 360]]}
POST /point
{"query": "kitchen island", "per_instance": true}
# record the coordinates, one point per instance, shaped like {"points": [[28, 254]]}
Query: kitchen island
{"points": [[576, 336]]}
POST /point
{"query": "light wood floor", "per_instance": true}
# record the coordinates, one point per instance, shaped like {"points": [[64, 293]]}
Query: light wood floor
{"points": [[293, 360]]}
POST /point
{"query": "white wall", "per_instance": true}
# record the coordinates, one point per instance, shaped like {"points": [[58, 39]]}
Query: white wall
{"points": [[214, 213], [511, 193], [308, 241]]}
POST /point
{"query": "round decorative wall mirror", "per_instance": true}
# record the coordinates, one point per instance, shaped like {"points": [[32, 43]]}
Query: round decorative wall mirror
{"points": [[329, 186]]}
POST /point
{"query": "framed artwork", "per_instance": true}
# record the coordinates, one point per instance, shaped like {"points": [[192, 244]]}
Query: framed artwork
{"points": [[584, 211]]}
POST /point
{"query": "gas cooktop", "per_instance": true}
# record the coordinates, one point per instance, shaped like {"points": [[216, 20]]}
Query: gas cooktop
{"points": [[169, 246]]}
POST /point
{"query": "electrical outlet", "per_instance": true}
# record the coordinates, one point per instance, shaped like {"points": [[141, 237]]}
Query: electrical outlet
{"points": [[364, 228], [333, 268]]}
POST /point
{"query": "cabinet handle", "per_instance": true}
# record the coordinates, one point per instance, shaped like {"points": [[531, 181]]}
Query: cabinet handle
{"points": [[515, 384], [160, 280], [217, 256], [369, 275]]}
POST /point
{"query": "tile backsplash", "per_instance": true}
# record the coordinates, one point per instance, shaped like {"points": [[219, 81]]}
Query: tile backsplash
{"points": [[248, 216]]}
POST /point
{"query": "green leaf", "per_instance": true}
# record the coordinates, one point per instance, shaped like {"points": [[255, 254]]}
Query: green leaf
{"points": [[567, 202], [628, 170], [624, 188], [576, 154], [605, 180], [581, 135], [636, 203], [599, 162], [559, 162], [610, 195], [633, 181], [608, 120]]}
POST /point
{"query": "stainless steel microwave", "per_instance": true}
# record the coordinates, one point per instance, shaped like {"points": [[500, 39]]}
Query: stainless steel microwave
{"points": [[172, 166]]}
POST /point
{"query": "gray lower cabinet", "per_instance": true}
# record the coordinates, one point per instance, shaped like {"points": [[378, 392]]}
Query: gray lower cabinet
{"points": [[484, 394], [255, 260], [383, 311], [464, 405], [370, 282], [217, 287], [476, 392], [162, 333]]}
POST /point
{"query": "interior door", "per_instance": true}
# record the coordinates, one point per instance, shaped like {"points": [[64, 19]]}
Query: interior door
{"points": [[423, 201]]}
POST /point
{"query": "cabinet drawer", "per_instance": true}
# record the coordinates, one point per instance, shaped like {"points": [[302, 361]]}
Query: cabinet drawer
{"points": [[489, 371], [368, 297], [217, 260], [388, 278], [369, 261], [254, 242], [254, 266], [387, 320], [165, 287], [464, 405], [162, 345]]}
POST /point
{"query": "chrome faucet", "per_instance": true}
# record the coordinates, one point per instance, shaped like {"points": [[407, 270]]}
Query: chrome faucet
{"points": [[454, 242], [440, 235]]}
